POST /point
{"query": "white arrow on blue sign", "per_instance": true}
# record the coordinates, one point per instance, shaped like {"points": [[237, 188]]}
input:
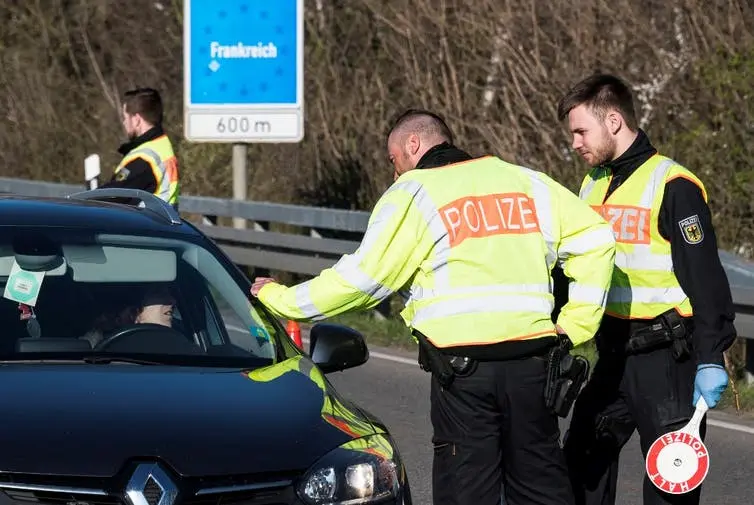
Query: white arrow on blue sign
{"points": [[244, 70]]}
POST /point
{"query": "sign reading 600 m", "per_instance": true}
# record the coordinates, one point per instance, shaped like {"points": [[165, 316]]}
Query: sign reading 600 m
{"points": [[242, 124]]}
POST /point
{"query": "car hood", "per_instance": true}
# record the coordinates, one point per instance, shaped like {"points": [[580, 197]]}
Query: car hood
{"points": [[90, 420]]}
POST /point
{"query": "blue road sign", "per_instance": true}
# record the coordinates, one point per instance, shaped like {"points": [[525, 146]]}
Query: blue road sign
{"points": [[244, 70]]}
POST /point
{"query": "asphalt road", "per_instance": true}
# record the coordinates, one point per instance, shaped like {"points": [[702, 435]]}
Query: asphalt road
{"points": [[398, 392]]}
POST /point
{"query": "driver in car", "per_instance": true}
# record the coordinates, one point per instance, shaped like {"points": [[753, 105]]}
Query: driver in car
{"points": [[156, 307]]}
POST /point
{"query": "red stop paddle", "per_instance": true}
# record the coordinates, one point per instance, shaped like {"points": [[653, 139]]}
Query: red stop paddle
{"points": [[677, 462]]}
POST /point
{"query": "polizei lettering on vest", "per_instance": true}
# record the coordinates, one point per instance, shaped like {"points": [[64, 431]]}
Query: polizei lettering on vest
{"points": [[630, 224], [241, 50], [487, 215]]}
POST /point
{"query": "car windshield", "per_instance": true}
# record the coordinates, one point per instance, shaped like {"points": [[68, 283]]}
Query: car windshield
{"points": [[79, 295]]}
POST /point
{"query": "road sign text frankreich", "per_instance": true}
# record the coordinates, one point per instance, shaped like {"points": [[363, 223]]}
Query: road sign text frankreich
{"points": [[487, 215]]}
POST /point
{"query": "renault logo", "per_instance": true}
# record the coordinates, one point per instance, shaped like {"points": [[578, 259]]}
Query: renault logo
{"points": [[151, 485]]}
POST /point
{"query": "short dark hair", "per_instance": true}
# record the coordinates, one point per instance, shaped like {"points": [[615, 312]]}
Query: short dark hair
{"points": [[600, 92], [146, 102], [423, 122]]}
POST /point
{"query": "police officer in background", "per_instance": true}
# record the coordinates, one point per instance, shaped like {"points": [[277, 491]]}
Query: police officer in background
{"points": [[474, 241], [149, 162], [669, 314]]}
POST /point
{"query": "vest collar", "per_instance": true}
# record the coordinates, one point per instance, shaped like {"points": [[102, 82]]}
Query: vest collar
{"points": [[441, 155], [151, 134], [626, 164]]}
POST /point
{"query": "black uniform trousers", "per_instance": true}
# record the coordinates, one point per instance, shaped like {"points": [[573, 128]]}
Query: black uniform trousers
{"points": [[651, 392], [492, 432]]}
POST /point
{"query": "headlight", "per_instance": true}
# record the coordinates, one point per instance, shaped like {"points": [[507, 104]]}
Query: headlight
{"points": [[361, 471]]}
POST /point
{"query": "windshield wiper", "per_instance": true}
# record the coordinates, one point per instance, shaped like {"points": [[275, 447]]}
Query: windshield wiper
{"points": [[100, 359]]}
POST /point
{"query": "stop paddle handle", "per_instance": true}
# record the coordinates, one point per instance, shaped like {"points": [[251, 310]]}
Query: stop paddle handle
{"points": [[696, 420]]}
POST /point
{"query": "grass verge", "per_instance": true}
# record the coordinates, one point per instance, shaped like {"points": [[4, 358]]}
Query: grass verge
{"points": [[390, 332]]}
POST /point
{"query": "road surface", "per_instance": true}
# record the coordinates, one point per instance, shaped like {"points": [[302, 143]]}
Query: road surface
{"points": [[398, 392]]}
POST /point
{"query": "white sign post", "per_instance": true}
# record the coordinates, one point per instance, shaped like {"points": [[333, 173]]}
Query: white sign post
{"points": [[243, 75], [92, 170]]}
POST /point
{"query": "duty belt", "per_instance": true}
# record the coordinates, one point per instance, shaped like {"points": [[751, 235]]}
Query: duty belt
{"points": [[443, 366], [668, 329]]}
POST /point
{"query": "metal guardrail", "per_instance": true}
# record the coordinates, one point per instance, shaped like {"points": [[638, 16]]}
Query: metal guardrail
{"points": [[289, 252], [304, 254]]}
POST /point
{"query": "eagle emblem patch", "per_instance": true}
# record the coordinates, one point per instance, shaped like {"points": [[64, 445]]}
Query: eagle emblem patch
{"points": [[122, 174], [691, 229]]}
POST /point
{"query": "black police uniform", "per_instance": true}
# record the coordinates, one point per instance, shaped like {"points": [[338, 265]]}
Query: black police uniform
{"points": [[651, 390]]}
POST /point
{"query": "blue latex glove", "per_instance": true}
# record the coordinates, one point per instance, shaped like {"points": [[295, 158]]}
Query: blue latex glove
{"points": [[710, 382]]}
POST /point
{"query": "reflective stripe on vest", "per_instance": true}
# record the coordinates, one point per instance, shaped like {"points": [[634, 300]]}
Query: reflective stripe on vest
{"points": [[161, 158], [643, 284]]}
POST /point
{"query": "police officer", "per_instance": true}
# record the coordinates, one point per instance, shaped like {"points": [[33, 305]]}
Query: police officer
{"points": [[669, 313], [149, 162], [473, 241]]}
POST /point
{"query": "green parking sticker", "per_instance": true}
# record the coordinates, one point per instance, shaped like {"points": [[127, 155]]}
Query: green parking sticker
{"points": [[260, 333], [23, 286]]}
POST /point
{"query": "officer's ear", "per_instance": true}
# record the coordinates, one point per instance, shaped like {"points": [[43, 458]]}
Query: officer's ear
{"points": [[413, 144], [138, 119], [614, 121]]}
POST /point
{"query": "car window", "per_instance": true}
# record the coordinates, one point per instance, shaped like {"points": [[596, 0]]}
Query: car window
{"points": [[229, 315], [70, 293]]}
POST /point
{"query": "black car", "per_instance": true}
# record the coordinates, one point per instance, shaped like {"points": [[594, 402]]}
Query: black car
{"points": [[135, 369]]}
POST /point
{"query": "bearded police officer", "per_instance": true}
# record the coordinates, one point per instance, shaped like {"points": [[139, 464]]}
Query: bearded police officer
{"points": [[669, 313], [473, 241]]}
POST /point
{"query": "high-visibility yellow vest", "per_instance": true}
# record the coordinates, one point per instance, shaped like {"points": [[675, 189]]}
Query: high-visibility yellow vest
{"points": [[644, 285], [160, 156], [474, 243]]}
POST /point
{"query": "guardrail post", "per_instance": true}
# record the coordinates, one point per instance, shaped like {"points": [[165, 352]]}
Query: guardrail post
{"points": [[92, 170]]}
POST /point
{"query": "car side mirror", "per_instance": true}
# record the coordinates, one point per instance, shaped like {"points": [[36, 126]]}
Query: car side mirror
{"points": [[334, 347]]}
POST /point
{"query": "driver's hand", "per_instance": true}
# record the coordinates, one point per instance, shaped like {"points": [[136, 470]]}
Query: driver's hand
{"points": [[259, 282]]}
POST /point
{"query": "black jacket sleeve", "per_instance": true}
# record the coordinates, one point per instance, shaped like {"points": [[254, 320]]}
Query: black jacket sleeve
{"points": [[685, 221], [137, 174], [560, 284]]}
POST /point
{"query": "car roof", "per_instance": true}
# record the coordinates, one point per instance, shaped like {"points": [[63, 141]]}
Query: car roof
{"points": [[95, 209]]}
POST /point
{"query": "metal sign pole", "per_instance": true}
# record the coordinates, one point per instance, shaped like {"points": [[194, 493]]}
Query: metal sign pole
{"points": [[240, 185]]}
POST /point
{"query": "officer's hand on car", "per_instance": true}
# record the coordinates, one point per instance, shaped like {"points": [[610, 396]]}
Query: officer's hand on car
{"points": [[259, 282], [710, 382]]}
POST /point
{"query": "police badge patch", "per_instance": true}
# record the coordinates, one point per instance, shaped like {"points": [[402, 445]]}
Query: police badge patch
{"points": [[122, 174], [691, 229]]}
